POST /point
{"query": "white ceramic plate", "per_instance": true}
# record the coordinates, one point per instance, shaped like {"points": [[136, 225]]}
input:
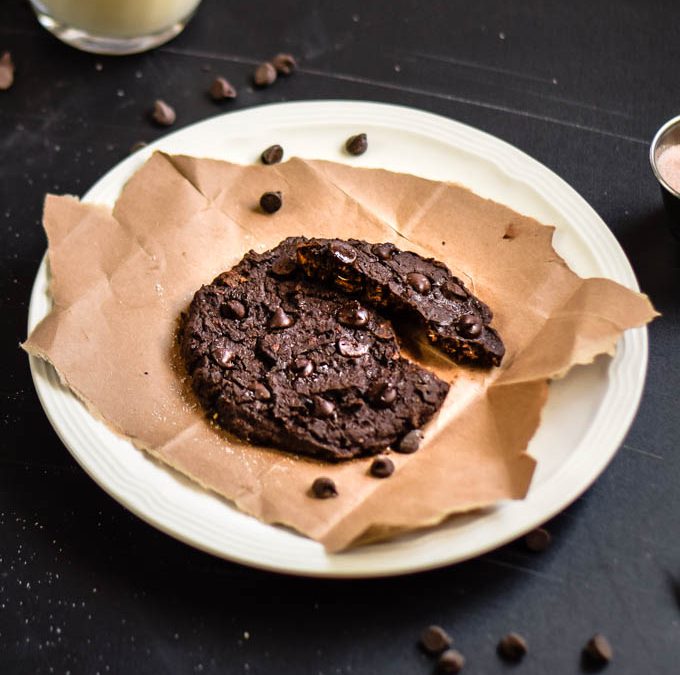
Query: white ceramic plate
{"points": [[583, 424]]}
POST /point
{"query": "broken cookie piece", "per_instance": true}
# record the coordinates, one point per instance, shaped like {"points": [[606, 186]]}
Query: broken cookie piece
{"points": [[406, 285]]}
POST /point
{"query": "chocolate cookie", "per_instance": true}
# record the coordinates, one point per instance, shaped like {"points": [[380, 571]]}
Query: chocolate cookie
{"points": [[286, 362], [406, 284]]}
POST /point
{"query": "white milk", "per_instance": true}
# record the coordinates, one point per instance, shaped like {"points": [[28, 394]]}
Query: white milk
{"points": [[119, 18]]}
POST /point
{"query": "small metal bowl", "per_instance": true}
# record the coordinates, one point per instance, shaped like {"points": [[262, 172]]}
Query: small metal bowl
{"points": [[667, 135]]}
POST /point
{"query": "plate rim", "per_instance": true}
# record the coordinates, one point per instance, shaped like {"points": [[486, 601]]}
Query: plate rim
{"points": [[634, 342]]}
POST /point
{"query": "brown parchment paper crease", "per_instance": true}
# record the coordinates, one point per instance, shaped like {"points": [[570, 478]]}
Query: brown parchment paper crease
{"points": [[120, 280]]}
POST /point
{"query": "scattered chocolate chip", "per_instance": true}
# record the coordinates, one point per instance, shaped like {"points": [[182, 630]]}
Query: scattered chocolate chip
{"points": [[419, 282], [284, 64], [470, 325], [434, 639], [272, 155], [410, 443], [352, 348], [138, 146], [264, 75], [280, 319], [382, 467], [233, 309], [383, 251], [303, 367], [284, 266], [385, 394], [261, 392], [452, 289], [271, 202], [6, 71], [538, 540], [323, 407], [357, 145], [324, 488], [451, 661], [343, 252], [512, 647], [222, 356], [353, 315], [598, 650], [221, 89], [163, 114]]}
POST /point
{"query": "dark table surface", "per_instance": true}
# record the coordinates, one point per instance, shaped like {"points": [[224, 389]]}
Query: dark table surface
{"points": [[85, 587]]}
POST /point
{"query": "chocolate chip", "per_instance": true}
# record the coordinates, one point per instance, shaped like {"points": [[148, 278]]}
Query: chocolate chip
{"points": [[410, 443], [357, 145], [451, 661], [303, 367], [163, 114], [221, 89], [419, 282], [352, 348], [264, 75], [222, 356], [343, 252], [384, 394], [271, 202], [598, 650], [470, 325], [233, 309], [434, 639], [284, 266], [6, 71], [383, 251], [138, 146], [280, 319], [324, 488], [382, 467], [538, 540], [353, 315], [512, 647], [285, 64], [272, 155], [452, 289], [323, 407], [389, 394]]}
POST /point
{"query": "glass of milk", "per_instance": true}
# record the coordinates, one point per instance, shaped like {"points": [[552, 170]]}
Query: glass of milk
{"points": [[114, 26]]}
